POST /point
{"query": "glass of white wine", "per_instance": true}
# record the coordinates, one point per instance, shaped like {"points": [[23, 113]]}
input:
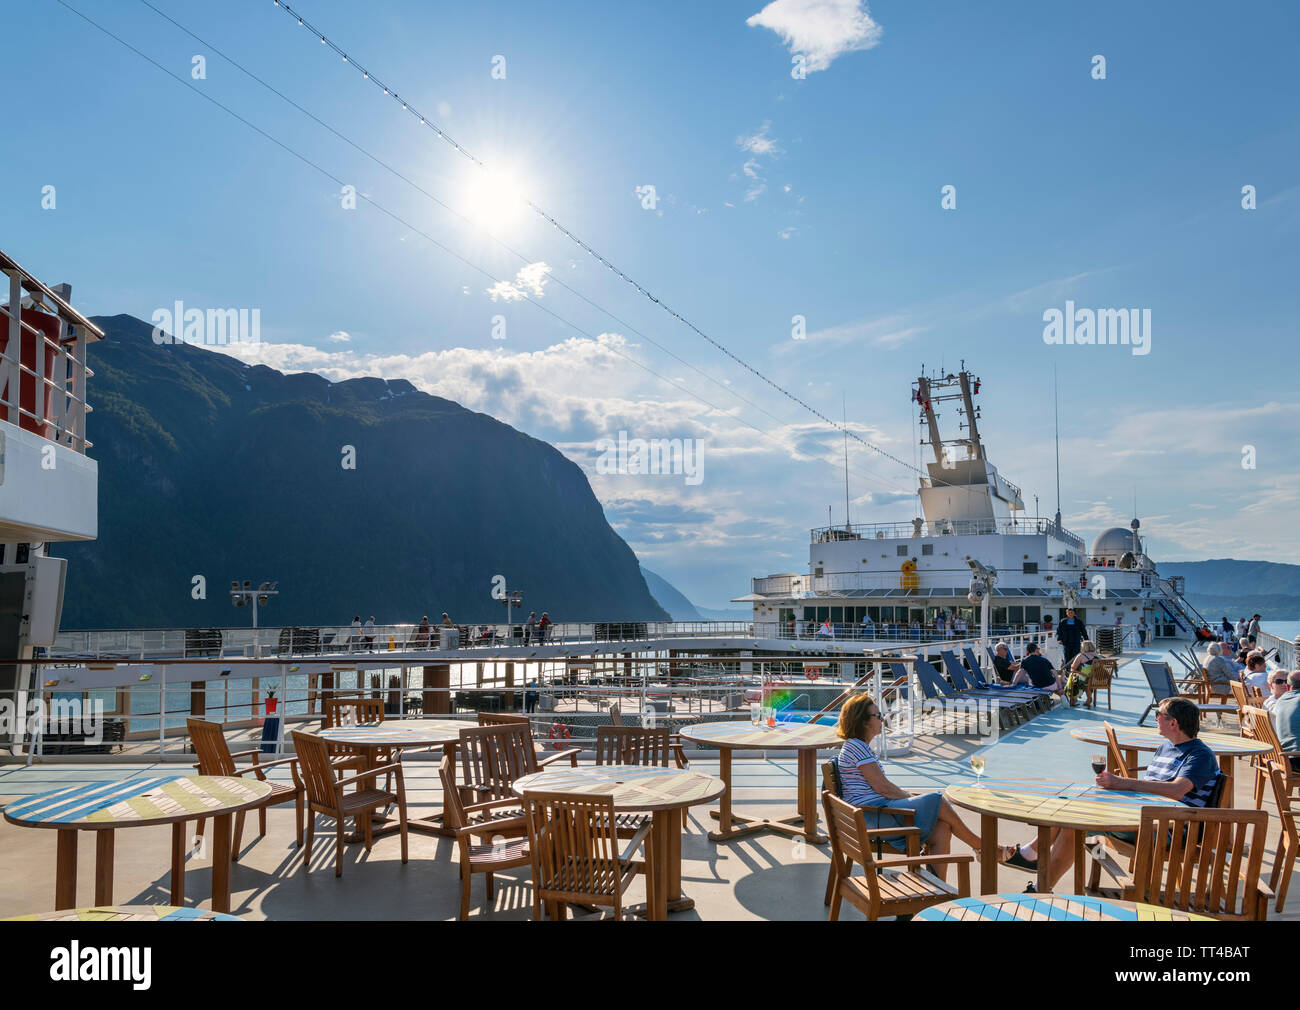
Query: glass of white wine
{"points": [[977, 766]]}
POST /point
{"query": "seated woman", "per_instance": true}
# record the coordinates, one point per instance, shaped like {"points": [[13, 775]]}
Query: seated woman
{"points": [[865, 785], [1080, 670]]}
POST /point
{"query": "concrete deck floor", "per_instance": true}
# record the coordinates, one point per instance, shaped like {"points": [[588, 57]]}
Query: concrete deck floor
{"points": [[763, 876]]}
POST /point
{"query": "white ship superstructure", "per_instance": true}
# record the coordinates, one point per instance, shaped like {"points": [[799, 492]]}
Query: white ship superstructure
{"points": [[913, 579]]}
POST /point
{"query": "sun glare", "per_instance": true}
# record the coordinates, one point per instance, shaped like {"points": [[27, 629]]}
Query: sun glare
{"points": [[494, 200]]}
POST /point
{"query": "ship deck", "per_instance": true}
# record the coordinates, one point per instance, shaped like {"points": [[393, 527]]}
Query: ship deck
{"points": [[758, 877]]}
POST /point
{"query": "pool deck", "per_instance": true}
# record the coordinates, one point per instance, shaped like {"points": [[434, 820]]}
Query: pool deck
{"points": [[762, 876]]}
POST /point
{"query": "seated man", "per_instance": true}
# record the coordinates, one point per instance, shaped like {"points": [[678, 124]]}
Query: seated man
{"points": [[1286, 718], [1036, 670], [1222, 671], [1006, 669], [1278, 685], [1183, 768], [1256, 672]]}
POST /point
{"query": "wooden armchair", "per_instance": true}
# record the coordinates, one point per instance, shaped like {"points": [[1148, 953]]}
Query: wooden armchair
{"points": [[1246, 696], [1202, 861], [544, 758], [895, 886], [1212, 692], [213, 752], [907, 817], [1099, 679], [1288, 841], [1115, 755], [576, 859], [492, 757], [505, 831], [1256, 725], [324, 791], [674, 739]]}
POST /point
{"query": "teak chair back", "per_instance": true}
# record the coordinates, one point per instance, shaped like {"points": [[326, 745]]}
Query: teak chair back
{"points": [[632, 745], [507, 845], [1202, 861], [1212, 692], [366, 710], [503, 719], [1099, 679], [1288, 842], [1116, 755], [1257, 725], [576, 857], [494, 756], [211, 748], [894, 886]]}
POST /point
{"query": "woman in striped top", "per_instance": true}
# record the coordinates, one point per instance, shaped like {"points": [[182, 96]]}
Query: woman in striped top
{"points": [[864, 784]]}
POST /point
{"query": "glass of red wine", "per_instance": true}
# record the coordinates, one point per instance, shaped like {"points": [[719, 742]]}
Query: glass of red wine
{"points": [[1098, 764]]}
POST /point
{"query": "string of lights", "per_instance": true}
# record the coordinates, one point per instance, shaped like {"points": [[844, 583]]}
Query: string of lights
{"points": [[590, 251]]}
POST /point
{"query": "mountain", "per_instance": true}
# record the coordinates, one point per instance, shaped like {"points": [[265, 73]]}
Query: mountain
{"points": [[670, 598], [211, 467], [1227, 587]]}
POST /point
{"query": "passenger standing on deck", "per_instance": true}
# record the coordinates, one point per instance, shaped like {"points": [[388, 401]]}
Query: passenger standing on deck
{"points": [[354, 639], [544, 627], [868, 626], [1252, 631], [865, 785], [369, 638], [422, 633], [1241, 628], [1142, 633], [530, 627], [1070, 634]]}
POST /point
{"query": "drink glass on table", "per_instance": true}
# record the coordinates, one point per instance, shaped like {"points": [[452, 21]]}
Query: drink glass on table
{"points": [[977, 766], [1098, 763], [755, 714], [769, 717]]}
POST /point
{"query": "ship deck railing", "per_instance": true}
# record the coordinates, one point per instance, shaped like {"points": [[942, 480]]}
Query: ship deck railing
{"points": [[916, 529]]}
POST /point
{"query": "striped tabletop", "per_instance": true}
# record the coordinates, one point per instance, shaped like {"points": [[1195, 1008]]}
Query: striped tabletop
{"points": [[742, 735], [1051, 908], [402, 733], [160, 799], [1147, 738], [1057, 803], [127, 913], [634, 788]]}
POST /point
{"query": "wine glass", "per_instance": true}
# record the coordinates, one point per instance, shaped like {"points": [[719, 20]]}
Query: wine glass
{"points": [[977, 766], [1098, 763]]}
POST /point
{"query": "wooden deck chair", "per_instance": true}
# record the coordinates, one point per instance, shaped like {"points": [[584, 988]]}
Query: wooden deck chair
{"points": [[895, 886], [363, 711], [324, 791], [544, 757], [1288, 841], [213, 752], [575, 853], [501, 824], [1214, 693], [1202, 861], [674, 739], [832, 784], [1116, 755], [1099, 678], [634, 745], [1256, 725]]}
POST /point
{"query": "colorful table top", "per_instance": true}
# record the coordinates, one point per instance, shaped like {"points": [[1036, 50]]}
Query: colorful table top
{"points": [[742, 735], [1148, 738], [1051, 908], [1057, 803], [634, 787], [401, 733], [127, 913], [133, 803]]}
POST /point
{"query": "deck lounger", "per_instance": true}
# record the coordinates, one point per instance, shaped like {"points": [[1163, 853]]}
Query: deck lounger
{"points": [[1004, 696], [1037, 696], [1161, 680], [935, 689]]}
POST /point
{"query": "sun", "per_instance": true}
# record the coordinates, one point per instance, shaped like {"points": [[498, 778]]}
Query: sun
{"points": [[494, 199]]}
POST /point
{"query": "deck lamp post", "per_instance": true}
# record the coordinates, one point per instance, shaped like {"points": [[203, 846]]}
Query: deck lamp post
{"points": [[243, 596], [981, 591]]}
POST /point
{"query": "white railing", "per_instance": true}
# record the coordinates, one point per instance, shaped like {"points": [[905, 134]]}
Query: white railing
{"points": [[1022, 526]]}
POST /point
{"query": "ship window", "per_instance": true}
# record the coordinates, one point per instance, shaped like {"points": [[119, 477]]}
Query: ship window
{"points": [[809, 613], [1033, 615], [873, 613], [823, 614], [999, 615], [837, 615], [1016, 615], [901, 550], [927, 548], [1031, 568], [817, 573]]}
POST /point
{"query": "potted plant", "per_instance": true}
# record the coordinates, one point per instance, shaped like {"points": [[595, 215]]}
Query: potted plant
{"points": [[271, 701]]}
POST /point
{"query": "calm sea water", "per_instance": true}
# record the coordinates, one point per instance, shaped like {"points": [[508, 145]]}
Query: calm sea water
{"points": [[1283, 629]]}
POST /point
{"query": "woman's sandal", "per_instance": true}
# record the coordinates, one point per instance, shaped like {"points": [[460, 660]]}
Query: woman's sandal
{"points": [[1020, 862]]}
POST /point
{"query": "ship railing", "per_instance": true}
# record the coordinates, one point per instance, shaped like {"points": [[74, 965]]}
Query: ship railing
{"points": [[48, 396], [219, 643], [67, 717], [1286, 648], [885, 631], [1019, 526]]}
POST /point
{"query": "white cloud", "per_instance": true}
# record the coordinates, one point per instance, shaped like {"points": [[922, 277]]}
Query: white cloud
{"points": [[340, 337], [820, 30], [530, 280], [759, 143], [787, 232]]}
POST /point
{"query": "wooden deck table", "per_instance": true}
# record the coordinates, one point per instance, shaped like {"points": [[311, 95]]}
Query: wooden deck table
{"points": [[373, 739], [127, 913], [1080, 807], [104, 807], [1132, 739], [1051, 908], [805, 738], [664, 793]]}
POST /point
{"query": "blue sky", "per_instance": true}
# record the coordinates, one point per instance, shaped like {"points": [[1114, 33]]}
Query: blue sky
{"points": [[776, 197]]}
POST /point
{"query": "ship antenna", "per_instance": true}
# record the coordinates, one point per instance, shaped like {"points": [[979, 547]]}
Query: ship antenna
{"points": [[845, 414], [1056, 407]]}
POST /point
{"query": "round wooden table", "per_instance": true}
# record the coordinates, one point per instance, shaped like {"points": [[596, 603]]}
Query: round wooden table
{"points": [[127, 913], [664, 793], [1048, 803], [805, 737], [372, 739], [103, 807], [1132, 739], [1051, 908]]}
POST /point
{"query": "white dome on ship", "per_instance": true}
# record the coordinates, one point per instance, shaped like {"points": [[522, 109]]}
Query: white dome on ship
{"points": [[1115, 543]]}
